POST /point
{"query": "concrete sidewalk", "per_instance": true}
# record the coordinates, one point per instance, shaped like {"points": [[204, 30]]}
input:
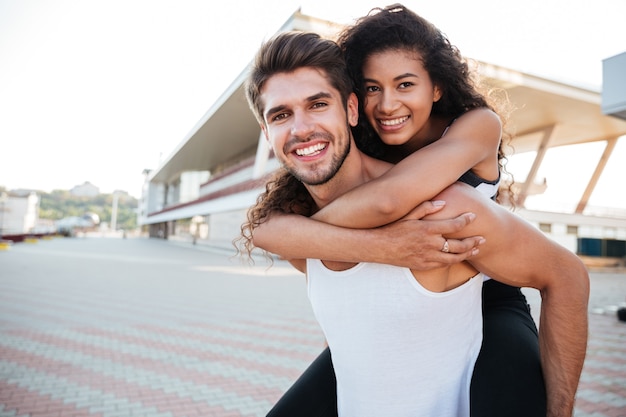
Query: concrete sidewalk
{"points": [[138, 327]]}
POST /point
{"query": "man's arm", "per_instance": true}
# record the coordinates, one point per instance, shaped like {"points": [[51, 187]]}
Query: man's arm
{"points": [[416, 245], [518, 254]]}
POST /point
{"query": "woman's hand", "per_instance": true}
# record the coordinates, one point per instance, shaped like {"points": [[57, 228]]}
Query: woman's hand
{"points": [[417, 243]]}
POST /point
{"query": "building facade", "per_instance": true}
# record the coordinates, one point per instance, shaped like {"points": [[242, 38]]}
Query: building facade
{"points": [[227, 147]]}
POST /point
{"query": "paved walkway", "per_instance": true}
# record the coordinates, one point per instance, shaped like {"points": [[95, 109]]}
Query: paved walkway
{"points": [[138, 327]]}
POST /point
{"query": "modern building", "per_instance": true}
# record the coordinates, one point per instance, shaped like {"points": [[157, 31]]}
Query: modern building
{"points": [[227, 149]]}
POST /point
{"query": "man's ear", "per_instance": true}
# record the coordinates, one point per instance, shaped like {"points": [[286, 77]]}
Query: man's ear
{"points": [[264, 129], [353, 110]]}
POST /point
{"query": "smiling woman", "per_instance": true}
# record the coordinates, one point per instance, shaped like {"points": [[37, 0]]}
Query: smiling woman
{"points": [[391, 79]]}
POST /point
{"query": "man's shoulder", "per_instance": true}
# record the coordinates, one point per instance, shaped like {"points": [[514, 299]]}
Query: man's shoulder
{"points": [[374, 167], [462, 198]]}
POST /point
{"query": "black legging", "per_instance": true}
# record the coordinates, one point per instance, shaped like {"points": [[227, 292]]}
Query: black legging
{"points": [[507, 379]]}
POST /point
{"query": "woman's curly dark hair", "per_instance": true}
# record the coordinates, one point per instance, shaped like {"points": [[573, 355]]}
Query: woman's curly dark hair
{"points": [[397, 28]]}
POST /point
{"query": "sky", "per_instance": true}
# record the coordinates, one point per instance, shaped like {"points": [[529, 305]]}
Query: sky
{"points": [[99, 90]]}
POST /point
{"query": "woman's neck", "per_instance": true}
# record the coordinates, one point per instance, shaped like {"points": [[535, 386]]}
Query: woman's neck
{"points": [[431, 133]]}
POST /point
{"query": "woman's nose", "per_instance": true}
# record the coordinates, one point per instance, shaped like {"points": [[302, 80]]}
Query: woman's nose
{"points": [[387, 102]]}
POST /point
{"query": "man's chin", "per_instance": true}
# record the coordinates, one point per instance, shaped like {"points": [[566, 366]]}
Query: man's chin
{"points": [[313, 181]]}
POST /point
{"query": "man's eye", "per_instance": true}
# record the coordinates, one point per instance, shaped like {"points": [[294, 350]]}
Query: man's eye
{"points": [[319, 105], [279, 116]]}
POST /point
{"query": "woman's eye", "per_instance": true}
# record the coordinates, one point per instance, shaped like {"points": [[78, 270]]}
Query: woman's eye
{"points": [[371, 88]]}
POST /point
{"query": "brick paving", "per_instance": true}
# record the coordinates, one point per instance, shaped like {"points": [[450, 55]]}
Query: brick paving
{"points": [[138, 327]]}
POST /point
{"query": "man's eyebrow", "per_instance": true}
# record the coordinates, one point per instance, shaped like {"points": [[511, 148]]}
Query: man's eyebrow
{"points": [[321, 94], [314, 97], [274, 110]]}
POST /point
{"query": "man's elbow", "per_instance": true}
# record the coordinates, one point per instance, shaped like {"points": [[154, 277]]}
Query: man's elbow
{"points": [[256, 241], [581, 280], [259, 238], [571, 280]]}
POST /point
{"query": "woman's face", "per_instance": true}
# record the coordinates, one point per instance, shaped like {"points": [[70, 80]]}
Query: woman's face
{"points": [[399, 96]]}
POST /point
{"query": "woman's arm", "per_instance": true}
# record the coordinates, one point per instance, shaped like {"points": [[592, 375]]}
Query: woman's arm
{"points": [[473, 138], [416, 244]]}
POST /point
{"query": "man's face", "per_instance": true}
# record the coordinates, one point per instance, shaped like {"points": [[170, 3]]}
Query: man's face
{"points": [[307, 125]]}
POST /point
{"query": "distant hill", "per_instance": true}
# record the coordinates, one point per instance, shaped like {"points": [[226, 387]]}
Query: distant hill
{"points": [[61, 203]]}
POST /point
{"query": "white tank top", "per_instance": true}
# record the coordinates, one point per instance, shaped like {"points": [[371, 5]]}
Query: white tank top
{"points": [[398, 349]]}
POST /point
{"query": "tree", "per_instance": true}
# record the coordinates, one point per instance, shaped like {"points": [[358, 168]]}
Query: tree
{"points": [[61, 203]]}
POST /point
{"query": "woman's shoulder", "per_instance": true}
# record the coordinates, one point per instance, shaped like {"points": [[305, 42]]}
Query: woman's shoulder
{"points": [[480, 114]]}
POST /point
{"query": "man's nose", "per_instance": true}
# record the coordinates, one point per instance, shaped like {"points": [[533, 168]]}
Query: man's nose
{"points": [[301, 126]]}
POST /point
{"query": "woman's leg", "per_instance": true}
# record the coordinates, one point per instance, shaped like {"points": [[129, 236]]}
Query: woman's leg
{"points": [[314, 394], [507, 379]]}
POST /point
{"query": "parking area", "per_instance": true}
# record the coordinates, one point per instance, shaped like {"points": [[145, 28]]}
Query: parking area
{"points": [[140, 327]]}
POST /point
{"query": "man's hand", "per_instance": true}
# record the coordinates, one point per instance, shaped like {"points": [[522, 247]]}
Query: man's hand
{"points": [[416, 243]]}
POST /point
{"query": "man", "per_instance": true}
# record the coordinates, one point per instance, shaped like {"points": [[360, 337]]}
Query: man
{"points": [[305, 107]]}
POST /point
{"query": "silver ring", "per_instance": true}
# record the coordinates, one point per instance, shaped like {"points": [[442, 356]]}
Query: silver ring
{"points": [[446, 247]]}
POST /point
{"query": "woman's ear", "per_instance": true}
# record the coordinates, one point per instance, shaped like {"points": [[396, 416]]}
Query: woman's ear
{"points": [[437, 93]]}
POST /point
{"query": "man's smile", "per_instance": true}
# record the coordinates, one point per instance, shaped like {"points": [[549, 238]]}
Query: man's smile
{"points": [[311, 150]]}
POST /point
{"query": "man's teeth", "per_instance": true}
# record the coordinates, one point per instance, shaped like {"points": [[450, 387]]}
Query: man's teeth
{"points": [[393, 122], [308, 151]]}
